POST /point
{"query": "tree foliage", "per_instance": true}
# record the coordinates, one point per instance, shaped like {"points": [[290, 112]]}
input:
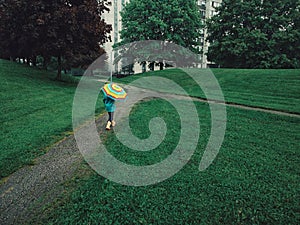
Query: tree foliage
{"points": [[70, 30], [176, 21], [256, 34]]}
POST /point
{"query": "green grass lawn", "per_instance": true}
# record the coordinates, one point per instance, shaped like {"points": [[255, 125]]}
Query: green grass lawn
{"points": [[275, 89], [36, 111], [253, 180]]}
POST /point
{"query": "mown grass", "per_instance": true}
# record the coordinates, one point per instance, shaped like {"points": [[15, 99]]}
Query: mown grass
{"points": [[253, 180], [275, 89], [36, 111]]}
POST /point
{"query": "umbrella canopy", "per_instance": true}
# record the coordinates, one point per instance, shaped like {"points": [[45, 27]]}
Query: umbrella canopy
{"points": [[114, 91]]}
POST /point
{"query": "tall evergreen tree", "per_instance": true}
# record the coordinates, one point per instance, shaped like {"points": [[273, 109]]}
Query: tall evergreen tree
{"points": [[256, 34]]}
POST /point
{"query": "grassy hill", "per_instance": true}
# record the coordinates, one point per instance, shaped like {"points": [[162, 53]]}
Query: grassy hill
{"points": [[35, 112], [253, 180], [275, 89]]}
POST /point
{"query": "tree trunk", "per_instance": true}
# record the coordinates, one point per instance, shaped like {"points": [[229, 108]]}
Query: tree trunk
{"points": [[143, 67], [161, 65], [59, 68], [151, 66], [34, 61], [46, 60]]}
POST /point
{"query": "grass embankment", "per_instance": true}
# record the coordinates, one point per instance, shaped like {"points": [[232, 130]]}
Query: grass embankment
{"points": [[36, 111], [253, 180], [274, 89]]}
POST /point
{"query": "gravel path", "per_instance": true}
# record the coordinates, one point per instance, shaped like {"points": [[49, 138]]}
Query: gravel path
{"points": [[25, 192]]}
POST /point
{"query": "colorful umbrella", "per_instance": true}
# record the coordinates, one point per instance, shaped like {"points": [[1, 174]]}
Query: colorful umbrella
{"points": [[114, 91]]}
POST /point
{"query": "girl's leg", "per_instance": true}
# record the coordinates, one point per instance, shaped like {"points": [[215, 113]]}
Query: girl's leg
{"points": [[108, 121], [111, 119], [110, 116]]}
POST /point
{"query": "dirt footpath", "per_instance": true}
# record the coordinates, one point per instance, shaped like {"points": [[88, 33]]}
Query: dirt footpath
{"points": [[27, 190]]}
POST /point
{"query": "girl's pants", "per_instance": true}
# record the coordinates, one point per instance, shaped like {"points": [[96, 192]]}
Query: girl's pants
{"points": [[110, 116]]}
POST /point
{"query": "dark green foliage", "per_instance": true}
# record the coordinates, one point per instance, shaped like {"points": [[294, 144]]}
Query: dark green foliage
{"points": [[256, 34], [70, 30], [172, 21], [177, 21]]}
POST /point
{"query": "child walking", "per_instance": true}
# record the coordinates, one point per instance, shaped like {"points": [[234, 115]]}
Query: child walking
{"points": [[112, 92], [110, 107]]}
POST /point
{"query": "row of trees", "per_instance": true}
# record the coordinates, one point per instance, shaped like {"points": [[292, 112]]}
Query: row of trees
{"points": [[69, 30], [256, 34], [243, 34]]}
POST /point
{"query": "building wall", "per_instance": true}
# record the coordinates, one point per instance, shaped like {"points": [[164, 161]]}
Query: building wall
{"points": [[113, 17], [207, 10]]}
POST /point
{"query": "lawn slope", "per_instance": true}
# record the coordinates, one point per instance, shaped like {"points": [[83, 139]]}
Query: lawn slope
{"points": [[253, 180], [35, 112], [273, 89]]}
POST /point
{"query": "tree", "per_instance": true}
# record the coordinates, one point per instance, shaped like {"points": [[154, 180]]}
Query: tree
{"points": [[18, 33], [255, 34], [70, 30], [176, 21], [75, 31]]}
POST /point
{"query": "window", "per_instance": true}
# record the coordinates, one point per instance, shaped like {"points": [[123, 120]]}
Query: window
{"points": [[215, 4], [202, 13]]}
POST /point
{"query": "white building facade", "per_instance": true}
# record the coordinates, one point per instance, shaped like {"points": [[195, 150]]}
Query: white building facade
{"points": [[207, 10]]}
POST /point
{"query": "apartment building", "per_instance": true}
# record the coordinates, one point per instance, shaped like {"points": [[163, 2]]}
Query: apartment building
{"points": [[206, 8]]}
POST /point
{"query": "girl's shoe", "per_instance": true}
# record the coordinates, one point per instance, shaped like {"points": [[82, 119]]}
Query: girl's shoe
{"points": [[108, 125], [113, 123]]}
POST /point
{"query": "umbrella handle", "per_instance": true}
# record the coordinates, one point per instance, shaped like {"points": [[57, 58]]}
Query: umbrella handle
{"points": [[111, 62]]}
